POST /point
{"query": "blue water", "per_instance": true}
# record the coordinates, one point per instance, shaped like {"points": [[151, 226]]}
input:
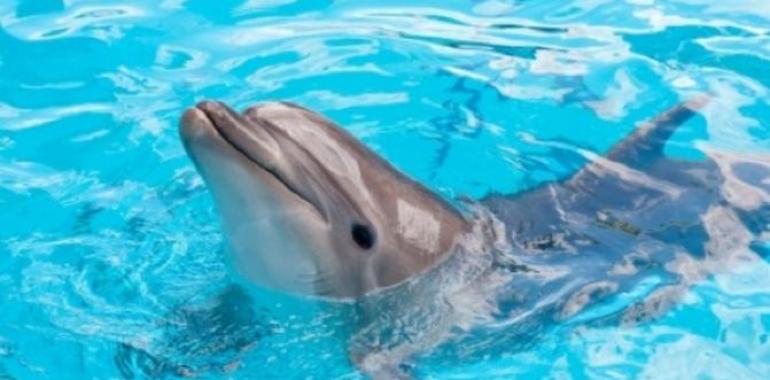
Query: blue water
{"points": [[111, 257]]}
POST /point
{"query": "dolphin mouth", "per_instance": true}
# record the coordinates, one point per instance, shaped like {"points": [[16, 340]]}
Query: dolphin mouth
{"points": [[250, 139]]}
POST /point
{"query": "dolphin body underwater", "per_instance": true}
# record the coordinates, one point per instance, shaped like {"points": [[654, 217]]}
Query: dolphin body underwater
{"points": [[308, 209]]}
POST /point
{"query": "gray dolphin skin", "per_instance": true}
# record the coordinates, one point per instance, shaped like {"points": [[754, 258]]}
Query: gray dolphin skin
{"points": [[307, 208]]}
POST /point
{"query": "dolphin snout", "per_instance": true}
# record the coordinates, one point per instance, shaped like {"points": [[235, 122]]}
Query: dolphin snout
{"points": [[213, 107], [251, 138], [195, 126], [202, 124]]}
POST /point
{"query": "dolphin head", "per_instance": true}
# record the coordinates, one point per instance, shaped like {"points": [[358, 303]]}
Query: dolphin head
{"points": [[307, 208]]}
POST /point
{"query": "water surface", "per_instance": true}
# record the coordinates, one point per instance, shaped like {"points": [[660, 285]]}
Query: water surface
{"points": [[111, 259]]}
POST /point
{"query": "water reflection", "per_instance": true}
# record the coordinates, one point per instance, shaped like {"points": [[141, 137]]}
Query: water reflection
{"points": [[106, 228]]}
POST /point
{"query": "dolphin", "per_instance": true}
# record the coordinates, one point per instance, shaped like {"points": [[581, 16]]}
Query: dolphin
{"points": [[307, 208]]}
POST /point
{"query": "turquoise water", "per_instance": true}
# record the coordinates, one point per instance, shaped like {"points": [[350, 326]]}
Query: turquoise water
{"points": [[111, 259]]}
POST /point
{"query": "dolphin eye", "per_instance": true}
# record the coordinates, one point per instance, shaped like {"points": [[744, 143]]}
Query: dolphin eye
{"points": [[362, 235]]}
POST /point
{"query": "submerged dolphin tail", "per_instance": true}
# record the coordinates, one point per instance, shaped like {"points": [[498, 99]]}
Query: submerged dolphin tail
{"points": [[645, 144]]}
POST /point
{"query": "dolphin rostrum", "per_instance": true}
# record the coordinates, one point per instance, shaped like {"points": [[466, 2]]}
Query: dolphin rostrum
{"points": [[307, 208]]}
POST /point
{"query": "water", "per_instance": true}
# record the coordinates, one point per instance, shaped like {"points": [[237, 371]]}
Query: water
{"points": [[111, 262]]}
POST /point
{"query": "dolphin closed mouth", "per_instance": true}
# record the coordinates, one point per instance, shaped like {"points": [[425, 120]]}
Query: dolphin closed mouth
{"points": [[252, 139]]}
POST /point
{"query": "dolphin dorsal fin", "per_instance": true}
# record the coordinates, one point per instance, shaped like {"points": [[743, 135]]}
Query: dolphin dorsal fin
{"points": [[645, 145]]}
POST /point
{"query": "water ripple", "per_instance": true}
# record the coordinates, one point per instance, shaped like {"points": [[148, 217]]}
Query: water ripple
{"points": [[111, 262]]}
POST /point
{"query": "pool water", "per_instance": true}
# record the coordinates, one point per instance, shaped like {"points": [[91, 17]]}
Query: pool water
{"points": [[112, 263]]}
